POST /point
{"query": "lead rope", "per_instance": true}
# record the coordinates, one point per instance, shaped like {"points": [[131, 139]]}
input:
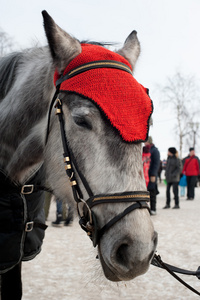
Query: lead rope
{"points": [[165, 266]]}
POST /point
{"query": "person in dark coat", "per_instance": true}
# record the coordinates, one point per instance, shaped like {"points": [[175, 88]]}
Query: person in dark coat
{"points": [[172, 173], [160, 171], [153, 174]]}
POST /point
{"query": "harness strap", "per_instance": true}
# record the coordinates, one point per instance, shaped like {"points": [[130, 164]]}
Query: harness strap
{"points": [[33, 188], [157, 261], [9, 187], [94, 65], [49, 114], [141, 204], [30, 225], [119, 197], [69, 159]]}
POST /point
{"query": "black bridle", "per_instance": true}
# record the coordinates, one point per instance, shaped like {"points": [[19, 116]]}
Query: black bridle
{"points": [[87, 218]]}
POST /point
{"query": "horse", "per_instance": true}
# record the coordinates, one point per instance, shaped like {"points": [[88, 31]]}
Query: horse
{"points": [[105, 151]]}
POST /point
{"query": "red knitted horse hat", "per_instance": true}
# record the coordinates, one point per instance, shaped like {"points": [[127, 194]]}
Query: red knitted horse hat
{"points": [[121, 98]]}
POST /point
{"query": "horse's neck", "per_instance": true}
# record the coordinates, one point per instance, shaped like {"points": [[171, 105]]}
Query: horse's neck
{"points": [[23, 116]]}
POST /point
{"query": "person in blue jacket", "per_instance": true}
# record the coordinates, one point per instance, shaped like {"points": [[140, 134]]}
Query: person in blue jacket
{"points": [[153, 174]]}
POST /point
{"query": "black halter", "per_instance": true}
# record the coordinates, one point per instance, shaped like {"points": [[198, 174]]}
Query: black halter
{"points": [[88, 221]]}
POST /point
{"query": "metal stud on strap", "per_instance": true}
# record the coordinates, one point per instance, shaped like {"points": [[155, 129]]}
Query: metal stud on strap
{"points": [[58, 111], [66, 159], [73, 182], [68, 167]]}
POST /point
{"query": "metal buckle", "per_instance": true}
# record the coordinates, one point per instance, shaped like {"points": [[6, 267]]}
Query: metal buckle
{"points": [[30, 188], [29, 226]]}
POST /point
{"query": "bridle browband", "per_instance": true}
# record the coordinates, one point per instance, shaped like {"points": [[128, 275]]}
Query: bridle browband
{"points": [[94, 65], [88, 220]]}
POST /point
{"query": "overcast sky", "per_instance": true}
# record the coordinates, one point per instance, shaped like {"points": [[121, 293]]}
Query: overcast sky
{"points": [[168, 31]]}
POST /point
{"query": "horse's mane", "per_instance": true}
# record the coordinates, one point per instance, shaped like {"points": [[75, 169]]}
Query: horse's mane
{"points": [[26, 88], [8, 66], [10, 63]]}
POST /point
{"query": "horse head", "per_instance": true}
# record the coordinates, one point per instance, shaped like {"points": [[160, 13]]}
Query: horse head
{"points": [[104, 147]]}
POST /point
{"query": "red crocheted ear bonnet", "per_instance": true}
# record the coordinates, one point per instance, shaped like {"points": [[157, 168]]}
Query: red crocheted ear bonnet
{"points": [[116, 92]]}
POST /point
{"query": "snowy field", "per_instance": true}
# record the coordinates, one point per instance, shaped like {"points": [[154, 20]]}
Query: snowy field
{"points": [[67, 268]]}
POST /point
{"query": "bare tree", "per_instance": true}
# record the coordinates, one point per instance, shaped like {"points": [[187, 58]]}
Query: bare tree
{"points": [[180, 94], [193, 134], [6, 43]]}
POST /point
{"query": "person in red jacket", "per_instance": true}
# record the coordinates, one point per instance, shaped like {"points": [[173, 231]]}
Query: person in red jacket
{"points": [[192, 170], [146, 159]]}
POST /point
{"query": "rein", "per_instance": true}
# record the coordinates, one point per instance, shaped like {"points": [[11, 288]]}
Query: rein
{"points": [[157, 261], [87, 218]]}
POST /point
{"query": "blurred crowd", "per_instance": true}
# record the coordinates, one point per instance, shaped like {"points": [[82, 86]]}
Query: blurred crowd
{"points": [[181, 176]]}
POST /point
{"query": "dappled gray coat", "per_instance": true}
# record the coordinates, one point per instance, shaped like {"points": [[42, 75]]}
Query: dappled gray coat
{"points": [[173, 169]]}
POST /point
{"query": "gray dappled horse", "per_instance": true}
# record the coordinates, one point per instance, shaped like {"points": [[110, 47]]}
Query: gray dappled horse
{"points": [[110, 164]]}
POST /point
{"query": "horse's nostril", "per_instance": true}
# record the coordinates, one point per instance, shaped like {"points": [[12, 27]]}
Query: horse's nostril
{"points": [[121, 254]]}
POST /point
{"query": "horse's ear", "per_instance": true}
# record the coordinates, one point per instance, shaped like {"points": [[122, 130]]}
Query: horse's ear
{"points": [[63, 47], [131, 49]]}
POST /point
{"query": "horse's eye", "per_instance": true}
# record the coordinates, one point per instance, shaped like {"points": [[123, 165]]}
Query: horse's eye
{"points": [[83, 122]]}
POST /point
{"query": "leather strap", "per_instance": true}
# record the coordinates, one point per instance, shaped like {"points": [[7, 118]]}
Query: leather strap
{"points": [[8, 186], [157, 261], [119, 197], [141, 204], [30, 225], [94, 65], [68, 154]]}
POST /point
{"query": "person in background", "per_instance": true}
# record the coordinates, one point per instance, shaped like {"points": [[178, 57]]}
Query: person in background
{"points": [[192, 170], [164, 162], [60, 214], [182, 184], [64, 214], [183, 180], [160, 171], [172, 173], [146, 159], [153, 173]]}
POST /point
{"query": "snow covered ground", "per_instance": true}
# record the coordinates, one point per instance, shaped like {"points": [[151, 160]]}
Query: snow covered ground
{"points": [[67, 268]]}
